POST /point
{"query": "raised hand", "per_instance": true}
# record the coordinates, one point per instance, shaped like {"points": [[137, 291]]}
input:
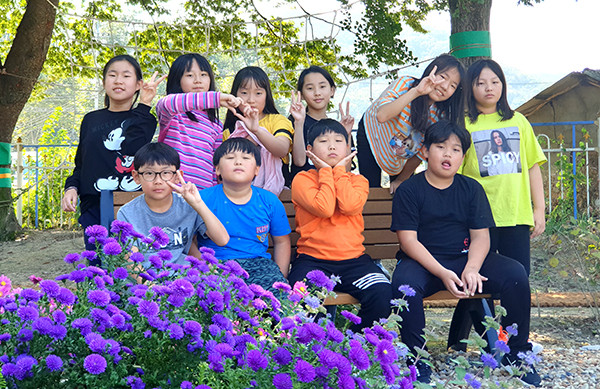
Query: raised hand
{"points": [[230, 101], [346, 162], [148, 91], [346, 119], [428, 83], [297, 109], [249, 116], [187, 190], [317, 162]]}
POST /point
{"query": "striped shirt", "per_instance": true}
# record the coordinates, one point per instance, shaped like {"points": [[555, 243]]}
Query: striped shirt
{"points": [[195, 142], [395, 141]]}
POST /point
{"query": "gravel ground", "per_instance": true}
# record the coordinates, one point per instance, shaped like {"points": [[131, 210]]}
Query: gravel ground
{"points": [[568, 335]]}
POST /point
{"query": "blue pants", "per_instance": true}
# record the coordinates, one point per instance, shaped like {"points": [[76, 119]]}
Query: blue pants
{"points": [[506, 277]]}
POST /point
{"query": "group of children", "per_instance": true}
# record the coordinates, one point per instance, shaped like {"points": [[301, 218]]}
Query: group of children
{"points": [[467, 233]]}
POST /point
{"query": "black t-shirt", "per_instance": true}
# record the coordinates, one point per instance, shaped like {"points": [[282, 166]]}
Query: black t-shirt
{"points": [[107, 143], [308, 122], [441, 217]]}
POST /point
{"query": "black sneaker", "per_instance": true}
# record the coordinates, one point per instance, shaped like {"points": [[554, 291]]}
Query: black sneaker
{"points": [[423, 372], [530, 375]]}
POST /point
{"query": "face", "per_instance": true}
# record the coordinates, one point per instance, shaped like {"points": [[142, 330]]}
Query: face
{"points": [[330, 147], [253, 95], [497, 138], [444, 159], [487, 91], [195, 80], [237, 167], [317, 91], [444, 90], [120, 82], [156, 189]]}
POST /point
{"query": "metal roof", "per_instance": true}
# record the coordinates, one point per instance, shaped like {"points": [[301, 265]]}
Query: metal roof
{"points": [[562, 86]]}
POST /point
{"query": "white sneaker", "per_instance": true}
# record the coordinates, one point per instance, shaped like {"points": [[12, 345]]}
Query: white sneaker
{"points": [[536, 348]]}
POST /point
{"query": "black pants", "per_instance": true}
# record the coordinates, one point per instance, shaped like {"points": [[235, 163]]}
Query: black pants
{"points": [[506, 277], [361, 279], [89, 218], [512, 242], [367, 164]]}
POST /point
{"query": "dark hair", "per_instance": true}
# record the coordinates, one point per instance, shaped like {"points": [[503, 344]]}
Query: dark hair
{"points": [[314, 69], [183, 64], [473, 76], [156, 154], [440, 132], [242, 78], [136, 66], [505, 145], [236, 144], [451, 109], [324, 126]]}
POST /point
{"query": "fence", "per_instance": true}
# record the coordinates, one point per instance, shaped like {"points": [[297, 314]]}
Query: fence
{"points": [[30, 175]]}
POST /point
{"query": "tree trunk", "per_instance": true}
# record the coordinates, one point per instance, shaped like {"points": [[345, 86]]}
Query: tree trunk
{"points": [[22, 68], [469, 15]]}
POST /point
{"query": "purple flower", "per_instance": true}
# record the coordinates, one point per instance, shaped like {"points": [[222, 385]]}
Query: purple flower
{"points": [[99, 298], [30, 294], [192, 327], [9, 369], [259, 304], [257, 361], [489, 360], [358, 355], [24, 335], [282, 381], [182, 287], [118, 321], [148, 308], [50, 287], [82, 323], [282, 356], [5, 337], [120, 273], [58, 332], [94, 363], [407, 290], [283, 286], [27, 313], [160, 237], [89, 255], [502, 347], [216, 299], [512, 330], [77, 276], [328, 358], [135, 382], [287, 324], [214, 329], [65, 296], [529, 357], [23, 366], [95, 232], [471, 381], [176, 332], [165, 255], [305, 371], [319, 279], [222, 321], [72, 258], [176, 300], [137, 257], [156, 261], [112, 248], [346, 382], [95, 342], [385, 352], [186, 385], [351, 317], [309, 332], [54, 363], [312, 302], [121, 226], [101, 316]]}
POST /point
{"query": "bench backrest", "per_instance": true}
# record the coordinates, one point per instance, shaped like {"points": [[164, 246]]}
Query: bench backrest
{"points": [[380, 242]]}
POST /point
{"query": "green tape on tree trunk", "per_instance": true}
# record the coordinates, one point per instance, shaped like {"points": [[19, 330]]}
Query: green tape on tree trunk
{"points": [[4, 153], [5, 177], [471, 44]]}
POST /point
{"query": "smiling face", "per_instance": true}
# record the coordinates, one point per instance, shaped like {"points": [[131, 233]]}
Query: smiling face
{"points": [[444, 90], [317, 92], [444, 159], [487, 91], [237, 167], [330, 147], [253, 95], [195, 80], [121, 83]]}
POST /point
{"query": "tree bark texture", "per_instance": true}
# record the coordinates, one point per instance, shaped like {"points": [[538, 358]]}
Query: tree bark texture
{"points": [[469, 15], [22, 67]]}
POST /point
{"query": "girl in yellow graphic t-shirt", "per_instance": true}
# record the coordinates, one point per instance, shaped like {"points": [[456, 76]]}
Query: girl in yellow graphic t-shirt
{"points": [[505, 159]]}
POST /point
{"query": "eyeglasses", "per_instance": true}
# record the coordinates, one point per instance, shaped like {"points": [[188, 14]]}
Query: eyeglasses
{"points": [[167, 175]]}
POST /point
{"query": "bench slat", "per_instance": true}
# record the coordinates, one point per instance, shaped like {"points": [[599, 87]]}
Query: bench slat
{"points": [[346, 299]]}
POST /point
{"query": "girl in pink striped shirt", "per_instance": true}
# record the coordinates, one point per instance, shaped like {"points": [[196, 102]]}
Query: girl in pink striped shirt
{"points": [[188, 117]]}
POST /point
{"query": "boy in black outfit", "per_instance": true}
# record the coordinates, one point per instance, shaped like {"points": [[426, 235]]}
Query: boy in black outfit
{"points": [[442, 221]]}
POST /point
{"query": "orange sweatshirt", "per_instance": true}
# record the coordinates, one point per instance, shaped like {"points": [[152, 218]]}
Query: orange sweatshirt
{"points": [[329, 204]]}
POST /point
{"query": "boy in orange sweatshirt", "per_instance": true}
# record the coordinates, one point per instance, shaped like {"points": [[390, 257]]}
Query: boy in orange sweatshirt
{"points": [[329, 203]]}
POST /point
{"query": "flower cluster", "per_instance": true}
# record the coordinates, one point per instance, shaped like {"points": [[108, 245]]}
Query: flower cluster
{"points": [[193, 326]]}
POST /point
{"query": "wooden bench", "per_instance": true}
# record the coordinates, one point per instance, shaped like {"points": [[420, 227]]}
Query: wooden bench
{"points": [[380, 243]]}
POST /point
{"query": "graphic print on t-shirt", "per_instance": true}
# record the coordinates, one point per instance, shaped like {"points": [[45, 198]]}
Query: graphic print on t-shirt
{"points": [[498, 151], [408, 147]]}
